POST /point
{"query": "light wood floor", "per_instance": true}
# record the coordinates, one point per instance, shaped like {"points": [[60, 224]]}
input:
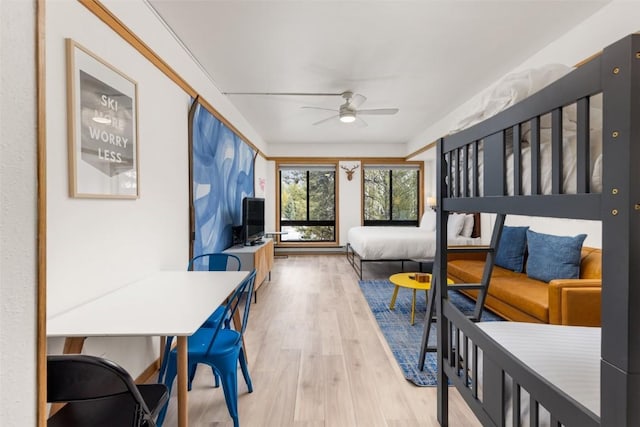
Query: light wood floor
{"points": [[317, 358]]}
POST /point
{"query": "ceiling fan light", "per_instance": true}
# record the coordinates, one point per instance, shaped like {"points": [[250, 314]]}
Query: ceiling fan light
{"points": [[347, 117]]}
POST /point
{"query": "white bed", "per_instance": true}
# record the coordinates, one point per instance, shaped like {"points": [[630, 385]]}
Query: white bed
{"points": [[371, 243], [399, 243]]}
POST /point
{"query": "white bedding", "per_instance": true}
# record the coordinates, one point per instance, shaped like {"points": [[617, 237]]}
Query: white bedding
{"points": [[514, 88], [567, 356], [388, 243], [569, 162]]}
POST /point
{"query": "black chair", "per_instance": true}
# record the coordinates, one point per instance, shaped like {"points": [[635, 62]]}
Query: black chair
{"points": [[100, 393]]}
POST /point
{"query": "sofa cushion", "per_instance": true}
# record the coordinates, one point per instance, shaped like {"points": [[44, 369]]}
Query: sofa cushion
{"points": [[553, 257], [470, 271], [528, 295], [512, 247], [515, 296]]}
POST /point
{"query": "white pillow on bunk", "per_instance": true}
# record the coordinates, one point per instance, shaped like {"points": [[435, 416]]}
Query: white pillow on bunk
{"points": [[428, 221], [455, 225], [545, 75], [512, 89], [467, 228]]}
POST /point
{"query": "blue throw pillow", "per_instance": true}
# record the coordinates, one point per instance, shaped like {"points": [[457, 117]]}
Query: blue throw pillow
{"points": [[554, 257], [511, 249]]}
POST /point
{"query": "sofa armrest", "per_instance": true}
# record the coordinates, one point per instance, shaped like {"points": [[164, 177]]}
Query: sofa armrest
{"points": [[581, 306], [574, 291]]}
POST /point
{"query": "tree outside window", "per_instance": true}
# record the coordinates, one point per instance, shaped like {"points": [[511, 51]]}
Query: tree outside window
{"points": [[391, 195], [307, 203]]}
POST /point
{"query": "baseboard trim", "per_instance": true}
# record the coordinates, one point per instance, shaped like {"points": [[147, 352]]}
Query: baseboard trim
{"points": [[149, 372], [308, 253]]}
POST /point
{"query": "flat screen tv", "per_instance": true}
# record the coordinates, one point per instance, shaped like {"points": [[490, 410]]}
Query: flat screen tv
{"points": [[252, 220]]}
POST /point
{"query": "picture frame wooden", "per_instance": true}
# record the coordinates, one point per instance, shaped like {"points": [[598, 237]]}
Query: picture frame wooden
{"points": [[102, 122]]}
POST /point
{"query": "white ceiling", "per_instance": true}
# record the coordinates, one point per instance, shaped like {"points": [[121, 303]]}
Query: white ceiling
{"points": [[423, 57]]}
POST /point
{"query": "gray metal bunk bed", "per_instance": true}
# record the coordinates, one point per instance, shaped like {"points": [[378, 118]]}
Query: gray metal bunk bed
{"points": [[497, 385]]}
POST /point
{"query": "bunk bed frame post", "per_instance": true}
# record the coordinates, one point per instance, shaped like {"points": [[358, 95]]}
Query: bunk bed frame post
{"points": [[615, 73], [620, 363], [440, 275]]}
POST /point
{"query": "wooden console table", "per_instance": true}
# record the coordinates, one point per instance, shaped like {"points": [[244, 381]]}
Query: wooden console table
{"points": [[258, 256]]}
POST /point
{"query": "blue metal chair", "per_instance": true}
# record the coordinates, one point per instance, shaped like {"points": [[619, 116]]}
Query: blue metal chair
{"points": [[214, 262], [204, 262], [221, 349]]}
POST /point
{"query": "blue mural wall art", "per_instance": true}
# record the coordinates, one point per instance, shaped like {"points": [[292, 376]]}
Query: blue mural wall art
{"points": [[223, 174]]}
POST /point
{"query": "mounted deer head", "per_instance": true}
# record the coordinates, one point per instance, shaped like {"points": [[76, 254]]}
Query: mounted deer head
{"points": [[350, 171]]}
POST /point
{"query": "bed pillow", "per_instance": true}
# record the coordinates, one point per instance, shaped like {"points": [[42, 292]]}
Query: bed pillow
{"points": [[512, 248], [454, 227], [553, 257], [467, 228], [510, 90], [428, 221]]}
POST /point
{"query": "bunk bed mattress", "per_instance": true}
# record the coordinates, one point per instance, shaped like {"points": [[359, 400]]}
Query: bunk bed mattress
{"points": [[398, 243], [566, 356]]}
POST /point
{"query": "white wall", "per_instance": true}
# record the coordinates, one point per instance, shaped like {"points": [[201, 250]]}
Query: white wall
{"points": [[605, 27], [18, 250], [146, 24], [98, 245], [562, 227], [270, 197], [349, 199], [336, 150]]}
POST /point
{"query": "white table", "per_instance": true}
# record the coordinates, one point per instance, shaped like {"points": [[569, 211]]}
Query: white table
{"points": [[167, 303]]}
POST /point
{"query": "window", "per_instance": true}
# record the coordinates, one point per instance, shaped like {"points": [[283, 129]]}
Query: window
{"points": [[391, 195], [308, 203]]}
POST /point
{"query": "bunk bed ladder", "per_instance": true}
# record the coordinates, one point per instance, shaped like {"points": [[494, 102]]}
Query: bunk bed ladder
{"points": [[481, 287], [488, 266]]}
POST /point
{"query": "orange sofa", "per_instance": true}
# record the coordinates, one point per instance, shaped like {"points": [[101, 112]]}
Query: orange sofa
{"points": [[514, 296]]}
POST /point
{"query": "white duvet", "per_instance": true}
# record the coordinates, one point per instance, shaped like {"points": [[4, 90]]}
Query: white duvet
{"points": [[514, 88], [569, 162], [395, 243]]}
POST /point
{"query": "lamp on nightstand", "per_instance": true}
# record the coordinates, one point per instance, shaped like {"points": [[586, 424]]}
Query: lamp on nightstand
{"points": [[432, 202]]}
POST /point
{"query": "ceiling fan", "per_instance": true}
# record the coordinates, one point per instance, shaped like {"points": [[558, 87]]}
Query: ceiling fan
{"points": [[347, 112]]}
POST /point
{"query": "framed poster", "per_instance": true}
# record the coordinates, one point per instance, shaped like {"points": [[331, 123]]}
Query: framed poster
{"points": [[102, 116]]}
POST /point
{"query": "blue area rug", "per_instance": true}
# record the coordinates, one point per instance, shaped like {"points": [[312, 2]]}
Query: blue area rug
{"points": [[403, 338]]}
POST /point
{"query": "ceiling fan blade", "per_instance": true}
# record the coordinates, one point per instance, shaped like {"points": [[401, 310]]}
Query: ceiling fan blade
{"points": [[325, 120], [379, 111], [357, 100], [319, 108], [361, 123]]}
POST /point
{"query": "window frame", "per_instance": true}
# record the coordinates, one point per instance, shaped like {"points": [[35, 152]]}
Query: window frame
{"points": [[289, 223], [419, 189]]}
